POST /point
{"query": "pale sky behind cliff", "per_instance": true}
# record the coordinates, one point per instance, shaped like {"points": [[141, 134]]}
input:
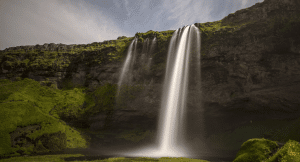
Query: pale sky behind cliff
{"points": [[31, 22]]}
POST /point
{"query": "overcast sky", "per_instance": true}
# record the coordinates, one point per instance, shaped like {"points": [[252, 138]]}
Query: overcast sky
{"points": [[31, 22]]}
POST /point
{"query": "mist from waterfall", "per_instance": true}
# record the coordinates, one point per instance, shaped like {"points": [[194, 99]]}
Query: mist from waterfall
{"points": [[184, 49]]}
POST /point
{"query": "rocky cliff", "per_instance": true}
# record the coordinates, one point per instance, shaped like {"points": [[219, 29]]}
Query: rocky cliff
{"points": [[250, 64]]}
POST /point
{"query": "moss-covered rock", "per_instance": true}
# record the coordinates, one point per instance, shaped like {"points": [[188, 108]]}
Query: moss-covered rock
{"points": [[27, 124], [256, 150], [289, 152], [268, 151], [54, 141]]}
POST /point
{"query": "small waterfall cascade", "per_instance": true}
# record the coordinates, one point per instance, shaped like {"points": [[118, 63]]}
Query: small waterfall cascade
{"points": [[135, 67], [152, 48], [184, 49], [144, 51], [127, 64]]}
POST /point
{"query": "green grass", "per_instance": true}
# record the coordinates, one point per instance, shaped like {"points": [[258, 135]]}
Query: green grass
{"points": [[54, 158], [60, 158]]}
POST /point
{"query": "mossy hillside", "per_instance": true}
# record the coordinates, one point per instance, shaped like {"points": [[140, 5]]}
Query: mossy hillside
{"points": [[26, 102], [94, 53], [102, 101], [256, 150]]}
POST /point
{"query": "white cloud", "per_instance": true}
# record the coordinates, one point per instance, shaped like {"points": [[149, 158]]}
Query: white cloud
{"points": [[244, 3], [187, 12], [45, 21]]}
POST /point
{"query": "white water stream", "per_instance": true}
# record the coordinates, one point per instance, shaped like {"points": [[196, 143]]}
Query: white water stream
{"points": [[171, 135]]}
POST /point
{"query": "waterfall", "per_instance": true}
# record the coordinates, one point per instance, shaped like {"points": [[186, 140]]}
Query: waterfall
{"points": [[173, 106], [152, 48], [184, 50], [126, 66], [144, 51]]}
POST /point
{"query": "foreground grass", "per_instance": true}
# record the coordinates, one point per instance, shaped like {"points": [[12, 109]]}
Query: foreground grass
{"points": [[67, 157]]}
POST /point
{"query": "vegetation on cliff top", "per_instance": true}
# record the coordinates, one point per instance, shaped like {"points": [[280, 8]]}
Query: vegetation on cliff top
{"points": [[57, 59]]}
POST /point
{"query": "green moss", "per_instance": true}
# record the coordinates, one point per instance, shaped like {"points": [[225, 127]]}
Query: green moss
{"points": [[75, 138], [26, 102], [255, 150], [104, 98], [69, 105], [41, 158], [289, 152]]}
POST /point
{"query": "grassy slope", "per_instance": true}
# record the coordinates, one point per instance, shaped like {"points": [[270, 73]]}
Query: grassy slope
{"points": [[26, 102]]}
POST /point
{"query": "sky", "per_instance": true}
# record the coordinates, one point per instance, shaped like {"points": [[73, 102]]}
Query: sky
{"points": [[31, 22]]}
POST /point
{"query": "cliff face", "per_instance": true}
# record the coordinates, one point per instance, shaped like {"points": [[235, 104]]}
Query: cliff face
{"points": [[252, 49], [94, 66], [250, 64], [250, 69], [250, 59]]}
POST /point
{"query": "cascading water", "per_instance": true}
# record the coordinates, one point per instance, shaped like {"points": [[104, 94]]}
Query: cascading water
{"points": [[126, 66], [144, 51], [184, 43], [176, 93], [152, 47]]}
